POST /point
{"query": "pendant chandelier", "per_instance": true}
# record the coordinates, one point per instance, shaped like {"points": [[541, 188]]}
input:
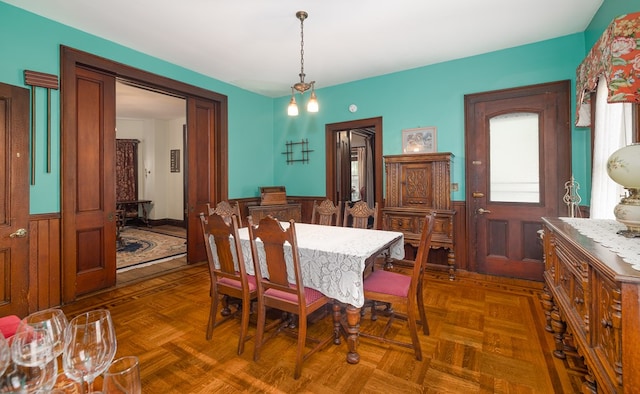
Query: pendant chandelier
{"points": [[302, 86]]}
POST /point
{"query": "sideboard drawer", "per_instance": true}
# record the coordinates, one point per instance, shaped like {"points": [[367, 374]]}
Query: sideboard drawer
{"points": [[281, 212], [406, 223]]}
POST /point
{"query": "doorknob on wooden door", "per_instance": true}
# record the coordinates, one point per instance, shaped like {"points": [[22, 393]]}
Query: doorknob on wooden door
{"points": [[20, 233], [482, 211]]}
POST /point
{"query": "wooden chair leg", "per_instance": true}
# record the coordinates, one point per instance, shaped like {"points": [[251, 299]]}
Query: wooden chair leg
{"points": [[413, 330], [302, 336], [262, 312], [423, 314], [212, 314], [244, 325]]}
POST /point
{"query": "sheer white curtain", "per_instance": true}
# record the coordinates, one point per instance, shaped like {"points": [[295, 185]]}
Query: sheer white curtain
{"points": [[612, 131]]}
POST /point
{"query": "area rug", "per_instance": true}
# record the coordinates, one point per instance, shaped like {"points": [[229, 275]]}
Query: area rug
{"points": [[139, 247]]}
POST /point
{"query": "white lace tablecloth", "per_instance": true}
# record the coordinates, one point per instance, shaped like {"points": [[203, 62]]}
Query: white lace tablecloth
{"points": [[604, 232], [333, 258]]}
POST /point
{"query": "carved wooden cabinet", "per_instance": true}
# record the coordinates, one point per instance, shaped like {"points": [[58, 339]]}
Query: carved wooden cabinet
{"points": [[284, 212], [416, 185], [592, 307]]}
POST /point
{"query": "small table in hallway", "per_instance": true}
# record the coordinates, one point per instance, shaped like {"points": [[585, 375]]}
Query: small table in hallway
{"points": [[333, 260], [128, 206]]}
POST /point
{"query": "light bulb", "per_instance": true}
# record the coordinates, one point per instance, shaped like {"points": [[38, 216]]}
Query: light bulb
{"points": [[292, 109]]}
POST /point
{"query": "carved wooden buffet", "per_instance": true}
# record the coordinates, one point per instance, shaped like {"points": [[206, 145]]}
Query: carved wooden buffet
{"points": [[418, 184], [592, 306]]}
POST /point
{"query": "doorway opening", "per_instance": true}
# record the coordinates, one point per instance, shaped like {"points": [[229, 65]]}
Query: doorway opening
{"points": [[150, 181], [354, 161], [88, 225]]}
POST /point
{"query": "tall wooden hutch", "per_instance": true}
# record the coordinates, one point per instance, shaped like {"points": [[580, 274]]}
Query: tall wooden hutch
{"points": [[418, 184]]}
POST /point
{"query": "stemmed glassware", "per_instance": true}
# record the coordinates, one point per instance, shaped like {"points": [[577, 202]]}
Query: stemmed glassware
{"points": [[91, 346], [53, 321], [35, 366]]}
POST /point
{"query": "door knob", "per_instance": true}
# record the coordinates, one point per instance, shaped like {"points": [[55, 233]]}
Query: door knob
{"points": [[482, 211], [21, 233]]}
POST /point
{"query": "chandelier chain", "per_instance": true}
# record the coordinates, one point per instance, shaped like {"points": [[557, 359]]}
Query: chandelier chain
{"points": [[301, 49]]}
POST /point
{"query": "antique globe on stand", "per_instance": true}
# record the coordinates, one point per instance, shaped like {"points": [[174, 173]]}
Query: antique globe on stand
{"points": [[623, 167]]}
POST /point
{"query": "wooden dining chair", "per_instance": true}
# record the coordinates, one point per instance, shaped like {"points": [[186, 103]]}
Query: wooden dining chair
{"points": [[359, 215], [225, 209], [405, 290], [326, 213], [227, 271], [275, 290]]}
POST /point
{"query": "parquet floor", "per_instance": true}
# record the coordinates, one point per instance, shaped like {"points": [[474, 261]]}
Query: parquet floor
{"points": [[487, 336]]}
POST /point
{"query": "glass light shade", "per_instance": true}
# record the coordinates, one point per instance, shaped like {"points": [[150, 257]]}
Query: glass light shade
{"points": [[292, 109], [623, 166], [312, 105]]}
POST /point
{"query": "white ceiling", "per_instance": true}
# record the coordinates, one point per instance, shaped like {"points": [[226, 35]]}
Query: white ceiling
{"points": [[255, 44]]}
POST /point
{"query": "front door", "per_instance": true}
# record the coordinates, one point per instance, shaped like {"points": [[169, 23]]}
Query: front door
{"points": [[518, 157], [14, 196]]}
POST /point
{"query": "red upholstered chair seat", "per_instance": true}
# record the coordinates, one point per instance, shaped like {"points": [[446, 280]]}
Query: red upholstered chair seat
{"points": [[9, 325], [251, 281], [310, 295], [387, 282]]}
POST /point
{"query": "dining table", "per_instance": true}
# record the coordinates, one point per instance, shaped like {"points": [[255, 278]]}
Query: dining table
{"points": [[333, 261]]}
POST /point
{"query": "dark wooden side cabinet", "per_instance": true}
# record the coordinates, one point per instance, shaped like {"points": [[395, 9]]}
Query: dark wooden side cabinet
{"points": [[418, 184], [283, 212], [592, 307]]}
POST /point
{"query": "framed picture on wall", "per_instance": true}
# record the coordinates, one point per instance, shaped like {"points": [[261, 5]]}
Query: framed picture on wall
{"points": [[175, 160], [420, 140]]}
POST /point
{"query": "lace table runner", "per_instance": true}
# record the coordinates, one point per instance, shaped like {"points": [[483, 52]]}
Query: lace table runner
{"points": [[604, 231]]}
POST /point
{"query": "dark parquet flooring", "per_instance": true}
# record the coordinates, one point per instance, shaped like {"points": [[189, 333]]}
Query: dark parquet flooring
{"points": [[487, 336]]}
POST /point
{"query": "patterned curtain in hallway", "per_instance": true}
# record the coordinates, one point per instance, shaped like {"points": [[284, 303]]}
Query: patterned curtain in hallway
{"points": [[126, 169]]}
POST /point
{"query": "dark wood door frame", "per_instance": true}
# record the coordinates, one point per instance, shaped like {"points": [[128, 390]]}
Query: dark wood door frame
{"points": [[71, 59], [331, 132]]}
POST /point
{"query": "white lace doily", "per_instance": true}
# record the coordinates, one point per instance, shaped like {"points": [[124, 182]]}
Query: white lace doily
{"points": [[604, 232]]}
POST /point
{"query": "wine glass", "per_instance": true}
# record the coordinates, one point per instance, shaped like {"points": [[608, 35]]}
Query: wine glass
{"points": [[35, 366], [91, 346], [53, 321]]}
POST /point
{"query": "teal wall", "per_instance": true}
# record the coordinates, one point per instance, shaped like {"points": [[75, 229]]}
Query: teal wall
{"points": [[34, 44], [426, 96]]}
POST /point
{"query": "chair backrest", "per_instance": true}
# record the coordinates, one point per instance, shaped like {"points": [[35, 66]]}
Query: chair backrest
{"points": [[360, 214], [422, 257], [225, 210], [279, 246], [222, 243], [326, 213]]}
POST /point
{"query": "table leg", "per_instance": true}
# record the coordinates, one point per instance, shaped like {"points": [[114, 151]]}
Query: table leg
{"points": [[145, 215], [353, 328]]}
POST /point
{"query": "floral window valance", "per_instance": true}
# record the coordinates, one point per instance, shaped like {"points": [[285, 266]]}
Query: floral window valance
{"points": [[616, 58]]}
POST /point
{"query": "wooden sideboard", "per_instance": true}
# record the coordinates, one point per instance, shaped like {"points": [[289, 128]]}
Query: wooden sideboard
{"points": [[418, 184], [592, 307], [282, 212]]}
